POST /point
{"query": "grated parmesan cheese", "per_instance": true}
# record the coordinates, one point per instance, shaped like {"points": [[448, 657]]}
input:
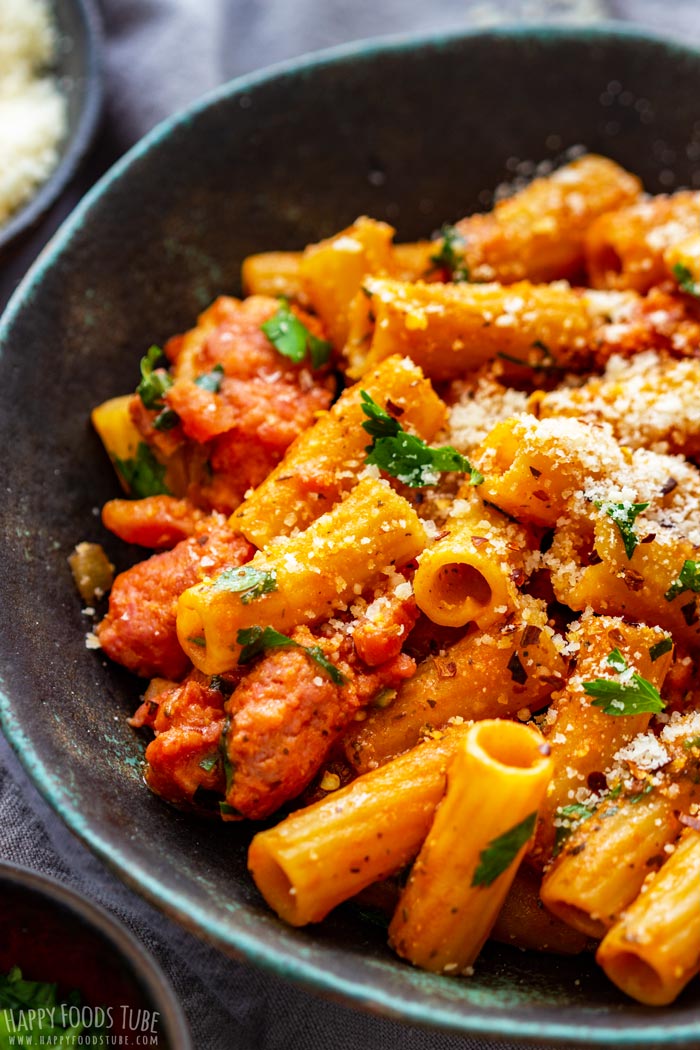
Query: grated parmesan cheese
{"points": [[33, 113]]}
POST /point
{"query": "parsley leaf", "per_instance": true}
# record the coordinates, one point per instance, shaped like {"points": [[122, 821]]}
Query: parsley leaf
{"points": [[617, 660], [502, 851], [255, 640], [686, 281], [624, 515], [688, 580], [143, 474], [211, 381], [247, 581], [378, 423], [662, 647], [293, 339], [450, 255], [166, 419], [406, 457], [574, 815], [208, 763], [33, 1014], [628, 695], [155, 383]]}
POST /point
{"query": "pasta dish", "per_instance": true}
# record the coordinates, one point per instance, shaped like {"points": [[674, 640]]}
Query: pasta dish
{"points": [[426, 581]]}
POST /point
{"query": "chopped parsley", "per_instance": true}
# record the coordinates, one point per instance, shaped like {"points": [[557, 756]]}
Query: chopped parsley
{"points": [[405, 456], [211, 381], [624, 515], [634, 799], [155, 382], [686, 281], [256, 640], [228, 811], [33, 1014], [142, 473], [247, 581], [688, 580], [223, 751], [573, 815], [166, 419], [293, 339], [208, 763], [660, 649], [450, 254], [502, 851], [630, 694], [692, 743]]}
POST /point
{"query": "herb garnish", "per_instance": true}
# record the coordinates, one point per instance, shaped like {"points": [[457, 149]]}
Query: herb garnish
{"points": [[624, 515], [406, 457], [143, 474], [255, 640], [450, 255], [208, 763], [502, 851], [211, 381], [155, 383], [293, 339], [630, 694], [247, 581], [32, 1014], [688, 580], [574, 814], [662, 647], [686, 281]]}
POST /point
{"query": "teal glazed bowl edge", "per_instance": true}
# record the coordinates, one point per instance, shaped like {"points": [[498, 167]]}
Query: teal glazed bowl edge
{"points": [[415, 131]]}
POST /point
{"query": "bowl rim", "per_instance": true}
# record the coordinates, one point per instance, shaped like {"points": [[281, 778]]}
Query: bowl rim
{"points": [[239, 942], [78, 143], [147, 970]]}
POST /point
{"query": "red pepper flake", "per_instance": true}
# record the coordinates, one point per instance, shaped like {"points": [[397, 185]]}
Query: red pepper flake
{"points": [[535, 472], [633, 579], [479, 541], [690, 613], [445, 668], [541, 495], [530, 635], [517, 671], [690, 822]]}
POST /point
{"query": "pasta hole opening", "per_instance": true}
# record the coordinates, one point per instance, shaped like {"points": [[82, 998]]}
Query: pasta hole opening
{"points": [[577, 918], [510, 744], [636, 977], [608, 262], [274, 884], [459, 584]]}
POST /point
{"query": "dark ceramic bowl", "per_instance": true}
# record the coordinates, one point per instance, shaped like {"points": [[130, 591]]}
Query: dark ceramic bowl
{"points": [[411, 131], [78, 69], [53, 935]]}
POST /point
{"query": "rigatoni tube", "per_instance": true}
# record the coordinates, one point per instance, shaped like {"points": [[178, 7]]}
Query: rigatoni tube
{"points": [[471, 574], [654, 950], [323, 855], [309, 575], [495, 784], [324, 461]]}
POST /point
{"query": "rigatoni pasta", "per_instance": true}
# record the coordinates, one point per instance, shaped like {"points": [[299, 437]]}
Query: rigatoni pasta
{"points": [[428, 575]]}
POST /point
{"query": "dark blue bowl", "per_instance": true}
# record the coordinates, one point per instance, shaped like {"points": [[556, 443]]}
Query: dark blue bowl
{"points": [[55, 936], [412, 131], [78, 67]]}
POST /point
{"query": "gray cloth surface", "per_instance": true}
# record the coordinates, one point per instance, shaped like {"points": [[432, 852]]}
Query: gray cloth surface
{"points": [[160, 54]]}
